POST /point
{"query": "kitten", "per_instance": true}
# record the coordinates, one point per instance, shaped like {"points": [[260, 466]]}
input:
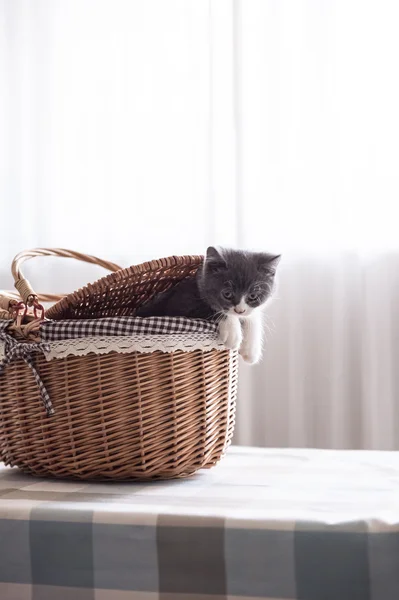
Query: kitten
{"points": [[232, 286]]}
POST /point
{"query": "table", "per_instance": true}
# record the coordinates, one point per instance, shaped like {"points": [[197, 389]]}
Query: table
{"points": [[264, 524]]}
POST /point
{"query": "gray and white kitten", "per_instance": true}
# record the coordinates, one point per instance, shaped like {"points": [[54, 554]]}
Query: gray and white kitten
{"points": [[233, 285]]}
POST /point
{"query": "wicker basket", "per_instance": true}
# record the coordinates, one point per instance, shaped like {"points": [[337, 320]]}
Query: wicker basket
{"points": [[117, 416]]}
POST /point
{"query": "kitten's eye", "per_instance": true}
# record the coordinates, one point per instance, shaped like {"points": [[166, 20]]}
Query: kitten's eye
{"points": [[227, 294], [252, 297]]}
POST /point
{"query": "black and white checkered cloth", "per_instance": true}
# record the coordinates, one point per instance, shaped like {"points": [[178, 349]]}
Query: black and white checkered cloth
{"points": [[52, 331], [14, 350], [4, 325]]}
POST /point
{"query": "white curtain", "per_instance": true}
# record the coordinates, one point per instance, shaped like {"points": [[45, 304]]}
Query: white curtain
{"points": [[133, 129], [318, 92]]}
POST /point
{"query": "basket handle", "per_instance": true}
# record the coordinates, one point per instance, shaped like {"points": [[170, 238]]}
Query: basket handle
{"points": [[24, 287]]}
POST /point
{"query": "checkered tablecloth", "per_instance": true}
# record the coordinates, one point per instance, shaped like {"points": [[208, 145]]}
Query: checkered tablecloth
{"points": [[52, 331], [264, 524]]}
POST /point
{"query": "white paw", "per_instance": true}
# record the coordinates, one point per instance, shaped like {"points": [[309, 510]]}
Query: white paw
{"points": [[230, 333], [251, 354]]}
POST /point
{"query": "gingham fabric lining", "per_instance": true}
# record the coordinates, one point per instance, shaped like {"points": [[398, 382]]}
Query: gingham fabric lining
{"points": [[4, 325], [13, 350], [129, 334], [3, 329], [52, 331]]}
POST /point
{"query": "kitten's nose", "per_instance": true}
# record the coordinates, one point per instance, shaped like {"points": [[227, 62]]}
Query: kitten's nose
{"points": [[239, 311]]}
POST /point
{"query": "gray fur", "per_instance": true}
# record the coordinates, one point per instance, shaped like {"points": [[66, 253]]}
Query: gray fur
{"points": [[227, 277]]}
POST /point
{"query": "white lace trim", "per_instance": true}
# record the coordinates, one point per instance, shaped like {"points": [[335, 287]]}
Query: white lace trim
{"points": [[133, 343], [128, 344]]}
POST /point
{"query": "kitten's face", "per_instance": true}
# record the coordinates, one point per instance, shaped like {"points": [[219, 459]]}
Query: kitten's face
{"points": [[237, 282]]}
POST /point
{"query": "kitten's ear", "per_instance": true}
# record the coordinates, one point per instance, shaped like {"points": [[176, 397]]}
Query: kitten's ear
{"points": [[214, 259], [268, 263]]}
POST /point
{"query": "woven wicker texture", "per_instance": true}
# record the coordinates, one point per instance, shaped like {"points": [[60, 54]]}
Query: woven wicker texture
{"points": [[122, 292], [120, 416]]}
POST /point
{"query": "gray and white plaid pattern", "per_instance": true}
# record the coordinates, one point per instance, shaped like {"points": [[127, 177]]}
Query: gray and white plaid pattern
{"points": [[263, 525], [52, 331], [14, 350]]}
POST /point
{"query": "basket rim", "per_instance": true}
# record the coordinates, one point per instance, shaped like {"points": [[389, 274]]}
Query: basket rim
{"points": [[107, 281]]}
